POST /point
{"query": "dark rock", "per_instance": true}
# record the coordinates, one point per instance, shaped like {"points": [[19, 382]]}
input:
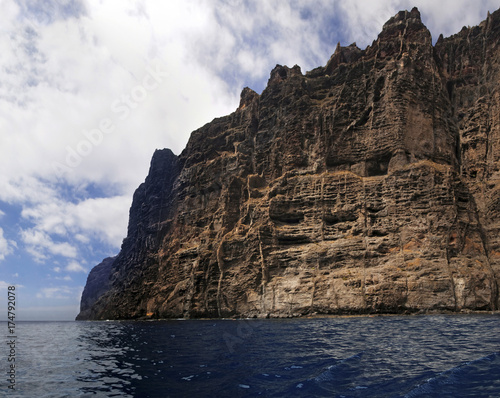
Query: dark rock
{"points": [[98, 283], [370, 185]]}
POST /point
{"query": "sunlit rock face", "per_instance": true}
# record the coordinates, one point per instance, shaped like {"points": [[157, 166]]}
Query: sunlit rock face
{"points": [[369, 185]]}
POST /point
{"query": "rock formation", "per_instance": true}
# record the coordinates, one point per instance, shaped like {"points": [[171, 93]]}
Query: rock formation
{"points": [[98, 283], [369, 185]]}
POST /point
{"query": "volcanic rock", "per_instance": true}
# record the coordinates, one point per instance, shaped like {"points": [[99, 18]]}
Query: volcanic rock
{"points": [[369, 185]]}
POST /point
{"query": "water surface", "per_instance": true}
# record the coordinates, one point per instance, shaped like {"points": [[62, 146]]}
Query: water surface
{"points": [[419, 356]]}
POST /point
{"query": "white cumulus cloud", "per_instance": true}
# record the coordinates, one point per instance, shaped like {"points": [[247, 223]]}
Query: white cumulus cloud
{"points": [[59, 293], [6, 246], [40, 245], [4, 285], [74, 266]]}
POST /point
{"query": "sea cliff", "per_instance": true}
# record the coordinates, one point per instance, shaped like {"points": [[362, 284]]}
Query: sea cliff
{"points": [[369, 185]]}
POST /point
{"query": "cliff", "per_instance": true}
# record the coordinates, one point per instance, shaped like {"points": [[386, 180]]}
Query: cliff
{"points": [[369, 185]]}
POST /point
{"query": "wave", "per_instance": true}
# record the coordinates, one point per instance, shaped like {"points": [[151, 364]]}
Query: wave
{"points": [[340, 369], [455, 378]]}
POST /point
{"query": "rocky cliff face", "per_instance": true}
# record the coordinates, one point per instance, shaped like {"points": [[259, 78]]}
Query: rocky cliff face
{"points": [[369, 185], [98, 283]]}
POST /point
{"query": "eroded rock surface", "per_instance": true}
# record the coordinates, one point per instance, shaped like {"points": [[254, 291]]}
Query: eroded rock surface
{"points": [[369, 185]]}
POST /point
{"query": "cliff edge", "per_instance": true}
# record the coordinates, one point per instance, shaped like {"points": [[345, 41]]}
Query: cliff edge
{"points": [[369, 185]]}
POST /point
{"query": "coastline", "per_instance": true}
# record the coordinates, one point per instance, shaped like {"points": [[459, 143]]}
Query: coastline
{"points": [[309, 316]]}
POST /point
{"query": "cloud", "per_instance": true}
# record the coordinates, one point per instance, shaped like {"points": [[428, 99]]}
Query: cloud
{"points": [[364, 19], [50, 10], [60, 80], [449, 16], [60, 293], [64, 278], [104, 219], [6, 246], [82, 238], [5, 285], [73, 266], [41, 246], [244, 48], [61, 73]]}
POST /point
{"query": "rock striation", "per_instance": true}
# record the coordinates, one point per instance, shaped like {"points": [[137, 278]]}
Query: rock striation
{"points": [[369, 185]]}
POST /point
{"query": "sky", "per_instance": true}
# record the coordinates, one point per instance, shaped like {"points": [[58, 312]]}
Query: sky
{"points": [[90, 88]]}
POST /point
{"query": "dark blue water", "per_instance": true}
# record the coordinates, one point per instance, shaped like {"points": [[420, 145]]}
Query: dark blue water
{"points": [[428, 356]]}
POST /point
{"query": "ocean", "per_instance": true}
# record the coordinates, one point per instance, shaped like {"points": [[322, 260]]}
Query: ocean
{"points": [[390, 356]]}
